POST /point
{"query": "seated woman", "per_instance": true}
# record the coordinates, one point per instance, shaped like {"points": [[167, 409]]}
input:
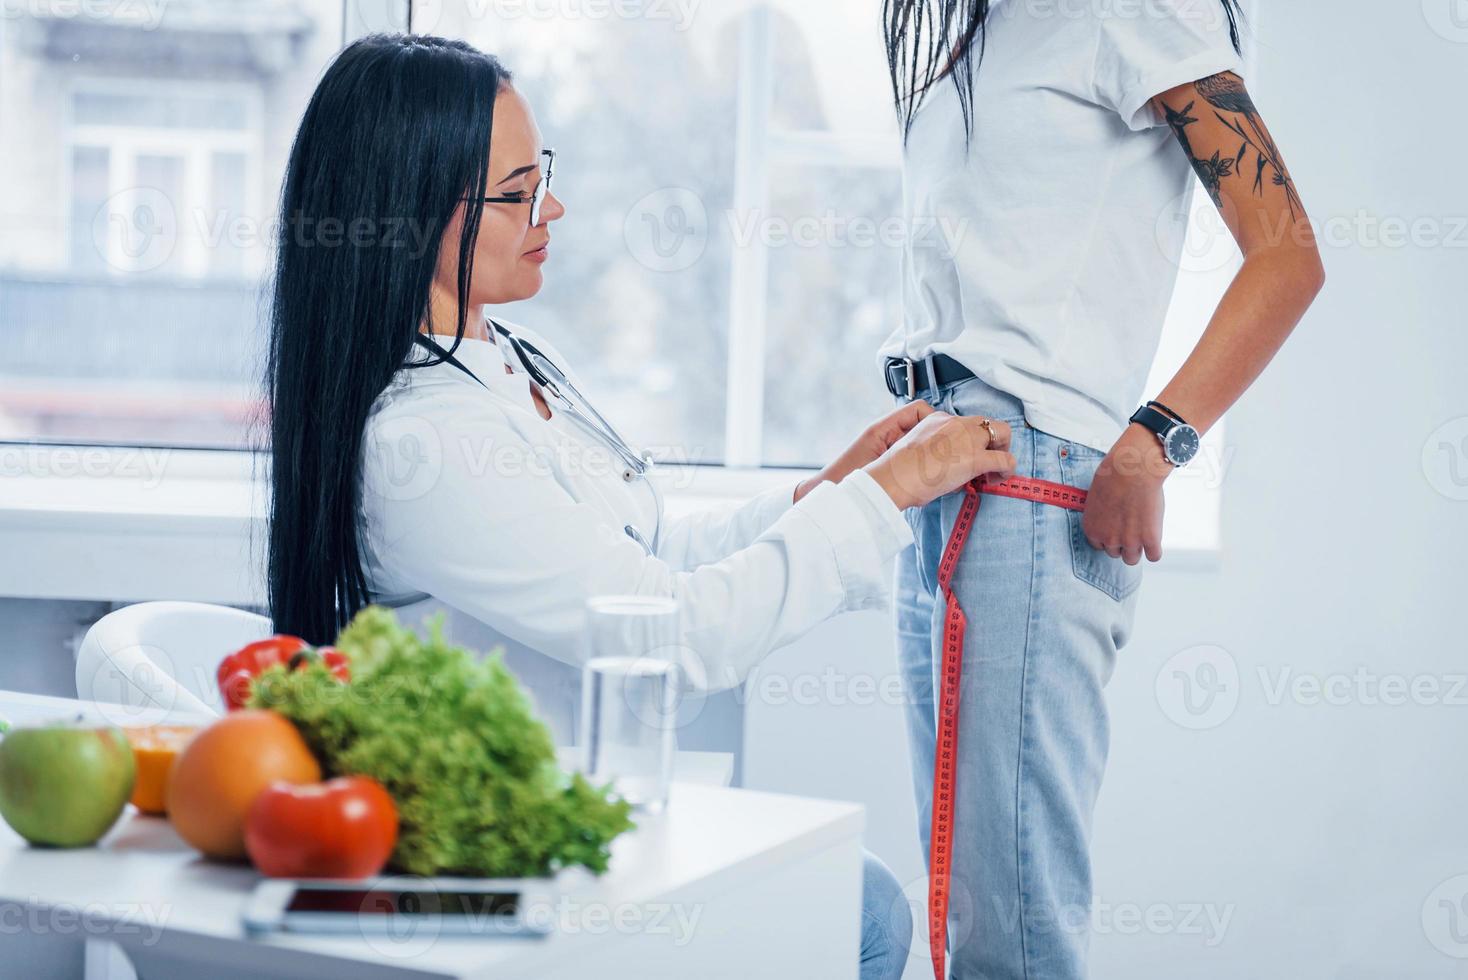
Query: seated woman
{"points": [[427, 456]]}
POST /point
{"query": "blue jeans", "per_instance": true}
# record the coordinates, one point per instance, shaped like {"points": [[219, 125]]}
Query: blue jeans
{"points": [[1047, 614], [886, 922]]}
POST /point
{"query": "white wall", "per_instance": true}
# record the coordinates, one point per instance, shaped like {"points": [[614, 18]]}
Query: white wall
{"points": [[1322, 830]]}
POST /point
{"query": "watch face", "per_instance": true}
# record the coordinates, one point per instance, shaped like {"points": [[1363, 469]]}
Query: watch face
{"points": [[1181, 444]]}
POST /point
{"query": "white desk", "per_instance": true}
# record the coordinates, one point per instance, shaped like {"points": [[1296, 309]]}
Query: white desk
{"points": [[728, 883]]}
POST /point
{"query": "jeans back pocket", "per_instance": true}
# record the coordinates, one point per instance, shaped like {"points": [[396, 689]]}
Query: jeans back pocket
{"points": [[1094, 567]]}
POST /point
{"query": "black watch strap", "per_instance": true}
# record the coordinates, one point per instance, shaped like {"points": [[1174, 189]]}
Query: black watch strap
{"points": [[1164, 409], [1149, 418]]}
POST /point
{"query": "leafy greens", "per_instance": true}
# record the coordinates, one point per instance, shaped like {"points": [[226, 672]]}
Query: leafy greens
{"points": [[457, 744]]}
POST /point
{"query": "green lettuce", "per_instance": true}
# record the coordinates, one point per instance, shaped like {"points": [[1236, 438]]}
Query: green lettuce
{"points": [[456, 742]]}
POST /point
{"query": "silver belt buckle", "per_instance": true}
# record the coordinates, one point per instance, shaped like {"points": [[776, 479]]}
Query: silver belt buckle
{"points": [[932, 382]]}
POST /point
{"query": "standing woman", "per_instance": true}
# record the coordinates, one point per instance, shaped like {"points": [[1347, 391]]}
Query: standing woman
{"points": [[1048, 146], [429, 457]]}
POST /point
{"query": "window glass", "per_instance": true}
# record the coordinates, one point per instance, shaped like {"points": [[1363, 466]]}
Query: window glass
{"points": [[641, 115], [836, 247], [143, 161]]}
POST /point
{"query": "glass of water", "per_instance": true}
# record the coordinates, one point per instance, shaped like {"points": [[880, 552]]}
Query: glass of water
{"points": [[629, 696]]}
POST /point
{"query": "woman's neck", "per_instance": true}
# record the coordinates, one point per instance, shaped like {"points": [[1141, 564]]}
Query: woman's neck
{"points": [[442, 319]]}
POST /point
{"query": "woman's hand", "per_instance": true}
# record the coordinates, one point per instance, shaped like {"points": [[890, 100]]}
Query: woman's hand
{"points": [[940, 454], [879, 437], [1124, 505]]}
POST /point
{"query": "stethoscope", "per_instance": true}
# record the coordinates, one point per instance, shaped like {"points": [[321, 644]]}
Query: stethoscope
{"points": [[553, 381]]}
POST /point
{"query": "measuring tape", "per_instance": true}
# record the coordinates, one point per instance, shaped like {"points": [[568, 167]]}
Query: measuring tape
{"points": [[945, 756]]}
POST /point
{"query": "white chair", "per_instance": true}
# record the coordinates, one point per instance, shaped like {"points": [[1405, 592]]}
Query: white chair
{"points": [[161, 657]]}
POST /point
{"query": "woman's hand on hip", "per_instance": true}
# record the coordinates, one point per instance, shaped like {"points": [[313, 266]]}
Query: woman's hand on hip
{"points": [[939, 455], [1124, 505], [879, 437]]}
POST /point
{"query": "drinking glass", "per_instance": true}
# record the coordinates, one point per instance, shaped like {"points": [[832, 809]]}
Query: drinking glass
{"points": [[629, 696]]}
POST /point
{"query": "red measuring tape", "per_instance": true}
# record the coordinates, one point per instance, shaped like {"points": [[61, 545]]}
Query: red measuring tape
{"points": [[945, 756]]}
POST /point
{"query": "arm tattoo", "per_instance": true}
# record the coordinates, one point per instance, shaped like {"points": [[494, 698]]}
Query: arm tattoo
{"points": [[1226, 94]]}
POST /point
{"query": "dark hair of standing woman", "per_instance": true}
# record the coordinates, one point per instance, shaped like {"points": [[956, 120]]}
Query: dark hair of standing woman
{"points": [[396, 134], [928, 41]]}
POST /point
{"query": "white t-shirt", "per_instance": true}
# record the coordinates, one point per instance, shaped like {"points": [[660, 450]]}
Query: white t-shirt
{"points": [[1043, 257]]}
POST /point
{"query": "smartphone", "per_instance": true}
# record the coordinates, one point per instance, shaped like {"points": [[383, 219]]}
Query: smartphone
{"points": [[490, 907]]}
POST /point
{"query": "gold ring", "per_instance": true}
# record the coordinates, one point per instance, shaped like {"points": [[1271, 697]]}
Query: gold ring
{"points": [[988, 425]]}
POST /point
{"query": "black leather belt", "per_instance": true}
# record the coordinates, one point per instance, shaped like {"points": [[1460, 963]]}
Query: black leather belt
{"points": [[909, 378]]}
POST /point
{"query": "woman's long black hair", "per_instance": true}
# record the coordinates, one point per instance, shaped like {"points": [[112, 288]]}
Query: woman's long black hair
{"points": [[396, 134], [928, 41]]}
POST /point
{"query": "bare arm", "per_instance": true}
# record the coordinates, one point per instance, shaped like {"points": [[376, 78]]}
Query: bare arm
{"points": [[1218, 126], [1220, 130]]}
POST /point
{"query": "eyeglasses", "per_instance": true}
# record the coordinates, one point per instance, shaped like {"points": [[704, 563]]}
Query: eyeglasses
{"points": [[537, 196]]}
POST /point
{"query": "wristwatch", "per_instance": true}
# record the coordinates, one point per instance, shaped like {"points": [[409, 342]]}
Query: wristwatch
{"points": [[1179, 440]]}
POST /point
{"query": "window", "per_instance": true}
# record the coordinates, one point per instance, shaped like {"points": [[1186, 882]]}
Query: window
{"points": [[145, 147], [731, 189], [639, 291], [835, 199], [163, 173]]}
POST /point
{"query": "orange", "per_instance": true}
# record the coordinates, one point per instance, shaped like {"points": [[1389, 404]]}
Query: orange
{"points": [[154, 749], [221, 771]]}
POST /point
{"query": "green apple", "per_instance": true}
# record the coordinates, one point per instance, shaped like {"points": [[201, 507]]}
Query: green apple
{"points": [[63, 784]]}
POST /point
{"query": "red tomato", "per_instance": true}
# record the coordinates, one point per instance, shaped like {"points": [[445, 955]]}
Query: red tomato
{"points": [[342, 828]]}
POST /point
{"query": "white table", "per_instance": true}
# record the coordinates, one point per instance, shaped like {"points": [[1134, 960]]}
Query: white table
{"points": [[727, 883]]}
